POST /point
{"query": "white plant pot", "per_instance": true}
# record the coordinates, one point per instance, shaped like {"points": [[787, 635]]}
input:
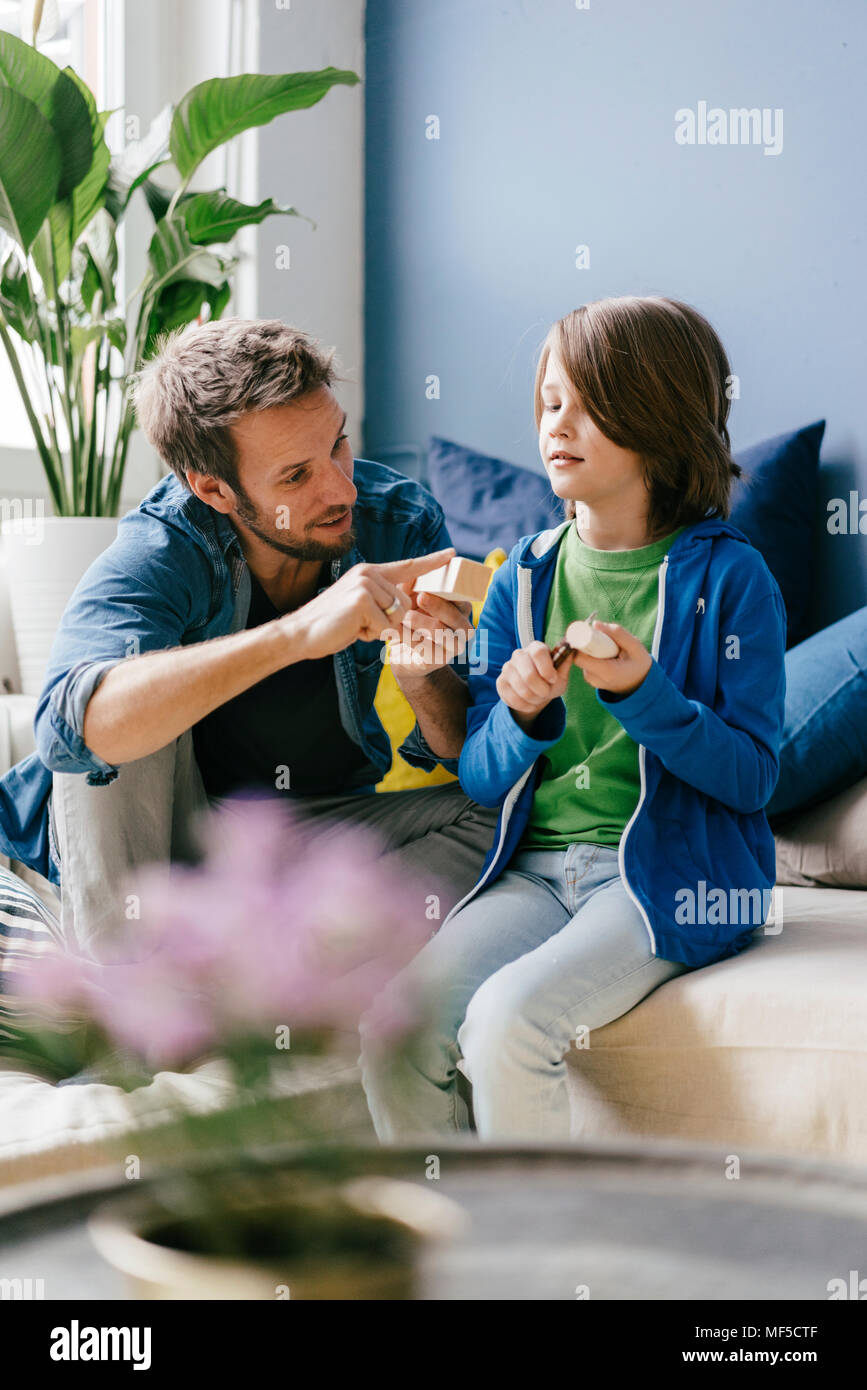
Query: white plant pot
{"points": [[126, 1233], [44, 558]]}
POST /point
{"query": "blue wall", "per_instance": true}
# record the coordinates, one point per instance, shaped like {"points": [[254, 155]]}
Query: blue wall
{"points": [[557, 129]]}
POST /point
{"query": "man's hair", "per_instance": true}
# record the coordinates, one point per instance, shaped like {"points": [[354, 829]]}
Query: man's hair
{"points": [[652, 375], [204, 378]]}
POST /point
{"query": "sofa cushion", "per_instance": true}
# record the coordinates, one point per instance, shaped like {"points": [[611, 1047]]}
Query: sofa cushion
{"points": [[826, 844], [488, 502], [775, 505]]}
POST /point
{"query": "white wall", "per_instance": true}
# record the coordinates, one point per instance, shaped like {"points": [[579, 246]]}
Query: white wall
{"points": [[314, 161]]}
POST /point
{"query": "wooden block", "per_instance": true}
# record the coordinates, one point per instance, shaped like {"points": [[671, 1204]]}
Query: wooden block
{"points": [[460, 581], [586, 638]]}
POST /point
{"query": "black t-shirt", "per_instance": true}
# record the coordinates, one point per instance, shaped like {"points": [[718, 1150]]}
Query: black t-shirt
{"points": [[290, 720]]}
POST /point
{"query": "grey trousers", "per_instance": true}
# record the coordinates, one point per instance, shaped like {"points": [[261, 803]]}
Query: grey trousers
{"points": [[149, 814]]}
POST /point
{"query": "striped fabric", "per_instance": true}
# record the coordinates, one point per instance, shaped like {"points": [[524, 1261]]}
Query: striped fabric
{"points": [[28, 929]]}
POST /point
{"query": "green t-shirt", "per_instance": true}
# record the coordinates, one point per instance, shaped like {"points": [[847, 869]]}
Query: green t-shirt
{"points": [[590, 781]]}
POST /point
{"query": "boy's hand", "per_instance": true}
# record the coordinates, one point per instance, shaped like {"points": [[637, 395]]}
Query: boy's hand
{"points": [[622, 673], [529, 681]]}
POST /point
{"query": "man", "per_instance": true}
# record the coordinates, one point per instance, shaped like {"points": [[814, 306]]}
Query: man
{"points": [[231, 637]]}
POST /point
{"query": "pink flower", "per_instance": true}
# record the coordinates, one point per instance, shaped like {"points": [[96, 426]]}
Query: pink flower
{"points": [[283, 924]]}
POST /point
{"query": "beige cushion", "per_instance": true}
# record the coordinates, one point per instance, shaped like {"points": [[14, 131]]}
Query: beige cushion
{"points": [[826, 844], [766, 1050]]}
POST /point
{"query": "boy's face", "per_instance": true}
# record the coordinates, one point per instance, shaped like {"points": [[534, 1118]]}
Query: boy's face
{"points": [[598, 474], [295, 490]]}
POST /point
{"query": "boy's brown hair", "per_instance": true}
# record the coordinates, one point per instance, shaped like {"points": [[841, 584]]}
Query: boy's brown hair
{"points": [[652, 375]]}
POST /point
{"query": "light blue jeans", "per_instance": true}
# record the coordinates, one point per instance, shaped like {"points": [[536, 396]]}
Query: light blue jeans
{"points": [[554, 947]]}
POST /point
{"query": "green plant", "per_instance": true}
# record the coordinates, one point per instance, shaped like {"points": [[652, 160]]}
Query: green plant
{"points": [[71, 344]]}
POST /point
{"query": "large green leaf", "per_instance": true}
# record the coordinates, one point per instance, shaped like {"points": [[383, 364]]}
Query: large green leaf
{"points": [[173, 256], [214, 111], [29, 167], [158, 199], [89, 194], [218, 297], [19, 310], [60, 101], [182, 302], [15, 303], [211, 217], [179, 303], [55, 235]]}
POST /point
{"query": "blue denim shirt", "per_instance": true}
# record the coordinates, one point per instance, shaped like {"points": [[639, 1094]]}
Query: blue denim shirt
{"points": [[176, 575]]}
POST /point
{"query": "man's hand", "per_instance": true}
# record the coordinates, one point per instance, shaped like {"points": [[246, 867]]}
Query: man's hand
{"points": [[622, 673], [433, 632], [356, 605]]}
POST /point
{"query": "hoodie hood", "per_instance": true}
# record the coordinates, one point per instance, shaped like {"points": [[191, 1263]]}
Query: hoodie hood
{"points": [[534, 549]]}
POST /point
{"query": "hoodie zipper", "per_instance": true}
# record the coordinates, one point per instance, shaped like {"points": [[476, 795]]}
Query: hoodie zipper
{"points": [[621, 855]]}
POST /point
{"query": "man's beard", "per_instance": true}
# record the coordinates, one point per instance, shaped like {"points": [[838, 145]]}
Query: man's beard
{"points": [[306, 549]]}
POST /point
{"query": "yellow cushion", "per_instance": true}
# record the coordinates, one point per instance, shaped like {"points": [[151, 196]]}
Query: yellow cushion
{"points": [[398, 718]]}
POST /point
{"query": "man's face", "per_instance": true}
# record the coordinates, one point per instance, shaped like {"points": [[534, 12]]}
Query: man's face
{"points": [[295, 489]]}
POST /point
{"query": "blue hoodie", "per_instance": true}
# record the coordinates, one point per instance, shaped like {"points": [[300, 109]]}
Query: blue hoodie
{"points": [[697, 856]]}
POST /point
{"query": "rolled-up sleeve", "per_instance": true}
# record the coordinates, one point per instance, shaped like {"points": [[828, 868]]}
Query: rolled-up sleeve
{"points": [[59, 744], [148, 591]]}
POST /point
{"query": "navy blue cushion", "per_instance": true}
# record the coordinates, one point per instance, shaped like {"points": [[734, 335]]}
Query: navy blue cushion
{"points": [[775, 507], [488, 502]]}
